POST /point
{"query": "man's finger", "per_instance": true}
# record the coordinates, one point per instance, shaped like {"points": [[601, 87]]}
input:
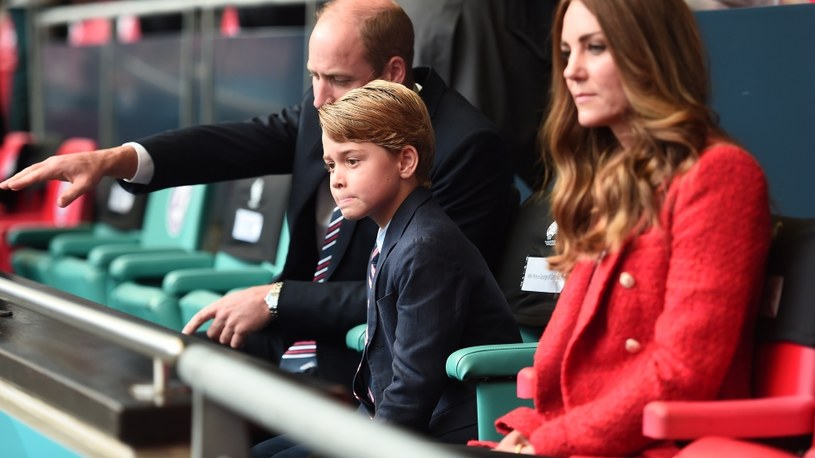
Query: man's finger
{"points": [[203, 315]]}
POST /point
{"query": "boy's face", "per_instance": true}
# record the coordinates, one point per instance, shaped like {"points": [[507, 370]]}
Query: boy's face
{"points": [[366, 179]]}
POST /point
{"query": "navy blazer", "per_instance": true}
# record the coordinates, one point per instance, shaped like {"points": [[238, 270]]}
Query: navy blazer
{"points": [[433, 294], [471, 177]]}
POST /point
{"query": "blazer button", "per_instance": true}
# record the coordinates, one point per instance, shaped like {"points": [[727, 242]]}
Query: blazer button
{"points": [[627, 280], [632, 346]]}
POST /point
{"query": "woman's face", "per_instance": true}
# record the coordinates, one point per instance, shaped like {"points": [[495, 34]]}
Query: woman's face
{"points": [[591, 74]]}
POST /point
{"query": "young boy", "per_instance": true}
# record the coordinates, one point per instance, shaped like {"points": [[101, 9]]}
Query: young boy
{"points": [[429, 291]]}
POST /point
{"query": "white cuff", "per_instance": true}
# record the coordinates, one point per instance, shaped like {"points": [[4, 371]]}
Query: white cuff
{"points": [[144, 166]]}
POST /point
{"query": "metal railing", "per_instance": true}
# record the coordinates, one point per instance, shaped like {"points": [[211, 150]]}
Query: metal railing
{"points": [[229, 388], [163, 347], [316, 421]]}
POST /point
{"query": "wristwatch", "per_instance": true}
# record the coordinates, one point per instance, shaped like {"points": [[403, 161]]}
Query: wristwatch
{"points": [[272, 298]]}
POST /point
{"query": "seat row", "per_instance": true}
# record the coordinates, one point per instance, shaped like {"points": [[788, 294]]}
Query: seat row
{"points": [[161, 272], [149, 256]]}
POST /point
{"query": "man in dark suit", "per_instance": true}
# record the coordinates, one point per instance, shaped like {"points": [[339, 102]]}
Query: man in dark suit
{"points": [[496, 53], [353, 42]]}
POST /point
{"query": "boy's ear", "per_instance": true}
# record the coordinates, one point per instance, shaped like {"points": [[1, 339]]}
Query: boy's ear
{"points": [[395, 70], [408, 162]]}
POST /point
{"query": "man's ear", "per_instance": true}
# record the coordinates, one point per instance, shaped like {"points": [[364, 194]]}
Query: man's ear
{"points": [[395, 70], [408, 162]]}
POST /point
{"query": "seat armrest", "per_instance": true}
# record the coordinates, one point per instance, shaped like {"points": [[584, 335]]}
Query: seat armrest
{"points": [[40, 237], [525, 385], [184, 281], [748, 418], [102, 256], [81, 244], [355, 337], [718, 447], [504, 360], [156, 265]]}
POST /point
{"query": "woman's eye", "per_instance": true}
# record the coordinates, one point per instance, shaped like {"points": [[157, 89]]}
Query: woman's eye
{"points": [[596, 48], [564, 54]]}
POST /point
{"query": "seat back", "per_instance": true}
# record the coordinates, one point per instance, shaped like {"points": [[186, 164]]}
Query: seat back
{"points": [[254, 223], [11, 153], [785, 354], [90, 32], [12, 147], [526, 285], [230, 22], [116, 209], [80, 209], [8, 62], [177, 217]]}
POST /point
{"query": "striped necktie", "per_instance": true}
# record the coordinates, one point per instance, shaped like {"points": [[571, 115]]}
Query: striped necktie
{"points": [[302, 355], [329, 241], [372, 267]]}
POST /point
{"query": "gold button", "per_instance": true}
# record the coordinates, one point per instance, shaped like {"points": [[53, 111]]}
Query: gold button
{"points": [[632, 346], [627, 280]]}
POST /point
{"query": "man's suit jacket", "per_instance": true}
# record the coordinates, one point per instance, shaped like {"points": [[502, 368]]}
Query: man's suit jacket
{"points": [[432, 294], [471, 179], [669, 316], [497, 54]]}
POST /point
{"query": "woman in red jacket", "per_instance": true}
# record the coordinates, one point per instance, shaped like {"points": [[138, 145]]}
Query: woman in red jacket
{"points": [[664, 228]]}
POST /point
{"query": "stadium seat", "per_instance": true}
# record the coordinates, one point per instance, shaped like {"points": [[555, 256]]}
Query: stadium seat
{"points": [[252, 251], [12, 157], [49, 214], [8, 62], [90, 32], [175, 219], [118, 215], [783, 406]]}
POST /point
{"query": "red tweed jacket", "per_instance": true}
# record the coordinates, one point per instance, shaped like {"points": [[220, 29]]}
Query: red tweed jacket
{"points": [[669, 316]]}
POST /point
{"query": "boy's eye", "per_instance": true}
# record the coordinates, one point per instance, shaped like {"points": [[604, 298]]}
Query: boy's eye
{"points": [[329, 166], [351, 161]]}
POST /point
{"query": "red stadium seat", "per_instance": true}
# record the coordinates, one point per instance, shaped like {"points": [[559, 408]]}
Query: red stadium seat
{"points": [[783, 406], [49, 213], [11, 152]]}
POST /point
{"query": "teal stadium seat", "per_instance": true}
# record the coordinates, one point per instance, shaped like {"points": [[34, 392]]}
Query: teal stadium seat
{"points": [[168, 288], [175, 220], [118, 216]]}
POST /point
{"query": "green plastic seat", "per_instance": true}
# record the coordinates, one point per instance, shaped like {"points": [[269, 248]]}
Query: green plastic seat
{"points": [[251, 251], [118, 216], [175, 220]]}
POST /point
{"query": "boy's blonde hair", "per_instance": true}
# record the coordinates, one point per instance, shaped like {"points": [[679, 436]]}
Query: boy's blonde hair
{"points": [[386, 114]]}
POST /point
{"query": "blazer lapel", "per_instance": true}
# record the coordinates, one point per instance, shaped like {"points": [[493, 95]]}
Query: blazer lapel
{"points": [[399, 223], [598, 285]]}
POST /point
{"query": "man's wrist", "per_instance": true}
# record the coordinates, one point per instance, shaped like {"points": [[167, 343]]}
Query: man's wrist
{"points": [[273, 298], [140, 167]]}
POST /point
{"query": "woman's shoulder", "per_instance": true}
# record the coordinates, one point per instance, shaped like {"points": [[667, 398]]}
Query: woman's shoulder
{"points": [[726, 158], [726, 152]]}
